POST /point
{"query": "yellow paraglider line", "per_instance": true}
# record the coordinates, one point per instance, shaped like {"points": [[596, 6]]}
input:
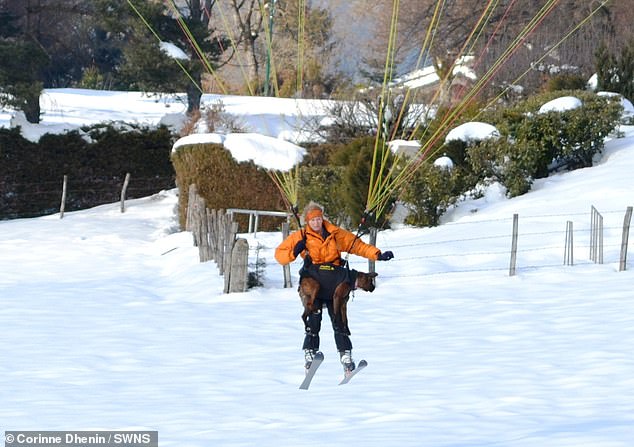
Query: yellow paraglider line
{"points": [[396, 180], [269, 48], [301, 35], [424, 52], [479, 25], [378, 193], [424, 154], [234, 46], [386, 180], [196, 47], [380, 140], [486, 78], [553, 48]]}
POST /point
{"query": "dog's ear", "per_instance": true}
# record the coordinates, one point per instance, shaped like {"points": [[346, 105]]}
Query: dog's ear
{"points": [[373, 274]]}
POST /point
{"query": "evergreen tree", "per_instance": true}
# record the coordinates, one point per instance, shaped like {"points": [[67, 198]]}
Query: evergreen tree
{"points": [[22, 63], [302, 48], [615, 73], [606, 69], [146, 64]]}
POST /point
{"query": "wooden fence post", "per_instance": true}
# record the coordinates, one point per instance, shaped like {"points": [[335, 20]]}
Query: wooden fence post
{"points": [[210, 234], [62, 206], [214, 238], [197, 212], [625, 238], [191, 201], [238, 275], [514, 246], [123, 191], [230, 229], [203, 232]]}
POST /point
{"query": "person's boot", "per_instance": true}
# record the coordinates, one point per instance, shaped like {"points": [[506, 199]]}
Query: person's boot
{"points": [[346, 361], [309, 355]]}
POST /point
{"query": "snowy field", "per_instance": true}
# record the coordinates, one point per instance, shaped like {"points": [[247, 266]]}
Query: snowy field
{"points": [[110, 322]]}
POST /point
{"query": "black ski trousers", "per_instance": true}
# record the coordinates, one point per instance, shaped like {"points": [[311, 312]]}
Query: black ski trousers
{"points": [[313, 326], [328, 277]]}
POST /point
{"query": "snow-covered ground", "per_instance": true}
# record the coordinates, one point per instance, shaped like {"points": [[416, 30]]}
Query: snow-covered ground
{"points": [[110, 322]]}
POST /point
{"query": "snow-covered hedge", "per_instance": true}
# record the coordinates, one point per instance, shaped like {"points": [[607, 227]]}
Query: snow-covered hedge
{"points": [[224, 182]]}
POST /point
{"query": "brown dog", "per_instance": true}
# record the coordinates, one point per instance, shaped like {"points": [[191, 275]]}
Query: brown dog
{"points": [[309, 291]]}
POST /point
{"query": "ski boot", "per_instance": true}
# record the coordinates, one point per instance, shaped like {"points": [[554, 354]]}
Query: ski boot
{"points": [[309, 355], [346, 361]]}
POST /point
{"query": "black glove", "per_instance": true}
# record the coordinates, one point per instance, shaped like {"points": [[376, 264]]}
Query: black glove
{"points": [[385, 256], [299, 247]]}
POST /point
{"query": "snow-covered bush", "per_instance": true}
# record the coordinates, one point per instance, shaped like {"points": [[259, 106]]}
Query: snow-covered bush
{"points": [[534, 144]]}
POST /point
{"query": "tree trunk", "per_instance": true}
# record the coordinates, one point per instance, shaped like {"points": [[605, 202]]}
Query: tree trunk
{"points": [[248, 24], [193, 93], [443, 67], [253, 71], [31, 106]]}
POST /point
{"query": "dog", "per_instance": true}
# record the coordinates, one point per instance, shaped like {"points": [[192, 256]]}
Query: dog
{"points": [[309, 293]]}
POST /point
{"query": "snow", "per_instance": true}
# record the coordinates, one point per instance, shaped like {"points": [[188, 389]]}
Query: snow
{"points": [[264, 151], [561, 104], [444, 162], [173, 51], [472, 131], [593, 82], [69, 109], [628, 107], [427, 75], [199, 138], [408, 148], [110, 322]]}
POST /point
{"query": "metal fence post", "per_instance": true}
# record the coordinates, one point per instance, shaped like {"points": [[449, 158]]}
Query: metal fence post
{"points": [[514, 246]]}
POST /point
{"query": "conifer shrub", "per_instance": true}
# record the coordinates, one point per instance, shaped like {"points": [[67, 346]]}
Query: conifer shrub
{"points": [[531, 145], [615, 72], [429, 193], [565, 81], [96, 162], [225, 183], [323, 184], [337, 177], [534, 145], [356, 159], [512, 164]]}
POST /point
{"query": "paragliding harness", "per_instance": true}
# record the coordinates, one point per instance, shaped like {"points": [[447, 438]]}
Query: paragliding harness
{"points": [[328, 274]]}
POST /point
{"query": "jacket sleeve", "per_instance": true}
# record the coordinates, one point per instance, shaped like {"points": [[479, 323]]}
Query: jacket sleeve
{"points": [[284, 251], [353, 244]]}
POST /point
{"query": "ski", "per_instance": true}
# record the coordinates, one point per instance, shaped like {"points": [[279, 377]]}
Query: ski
{"points": [[348, 376], [310, 373]]}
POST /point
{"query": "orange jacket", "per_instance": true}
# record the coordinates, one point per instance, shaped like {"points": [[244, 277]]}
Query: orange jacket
{"points": [[326, 249]]}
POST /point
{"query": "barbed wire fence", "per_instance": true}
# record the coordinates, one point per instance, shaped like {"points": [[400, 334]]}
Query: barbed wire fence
{"points": [[502, 244], [20, 199], [558, 240]]}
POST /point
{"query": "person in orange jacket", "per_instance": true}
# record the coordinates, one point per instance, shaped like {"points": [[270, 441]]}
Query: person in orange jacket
{"points": [[320, 244]]}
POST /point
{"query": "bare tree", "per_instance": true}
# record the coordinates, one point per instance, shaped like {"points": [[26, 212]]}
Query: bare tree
{"points": [[242, 21], [458, 20], [302, 46]]}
